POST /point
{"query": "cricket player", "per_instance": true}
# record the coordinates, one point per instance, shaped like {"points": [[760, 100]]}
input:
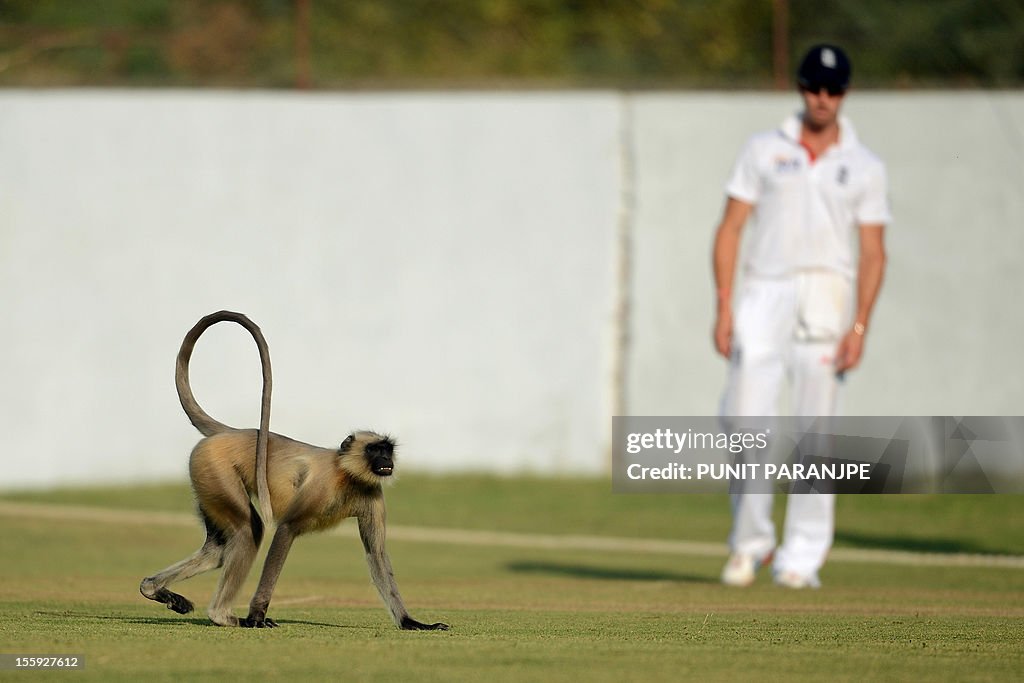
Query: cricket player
{"points": [[817, 202]]}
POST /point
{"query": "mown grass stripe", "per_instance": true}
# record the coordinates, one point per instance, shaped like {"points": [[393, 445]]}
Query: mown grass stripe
{"points": [[519, 540]]}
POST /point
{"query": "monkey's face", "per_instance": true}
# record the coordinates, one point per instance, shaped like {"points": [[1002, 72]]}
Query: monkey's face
{"points": [[368, 456], [380, 457]]}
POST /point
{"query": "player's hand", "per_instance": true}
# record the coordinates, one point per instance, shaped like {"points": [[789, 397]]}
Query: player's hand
{"points": [[722, 335], [849, 351]]}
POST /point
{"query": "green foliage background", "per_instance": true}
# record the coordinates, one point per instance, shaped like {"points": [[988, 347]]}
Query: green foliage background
{"points": [[502, 43]]}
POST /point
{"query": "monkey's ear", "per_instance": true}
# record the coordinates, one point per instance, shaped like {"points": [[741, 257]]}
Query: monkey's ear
{"points": [[347, 443]]}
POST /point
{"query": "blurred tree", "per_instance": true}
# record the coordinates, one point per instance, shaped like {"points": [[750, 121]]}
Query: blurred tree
{"points": [[461, 43], [212, 41], [921, 42]]}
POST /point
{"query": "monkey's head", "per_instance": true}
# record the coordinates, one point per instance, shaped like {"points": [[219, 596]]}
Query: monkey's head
{"points": [[368, 456]]}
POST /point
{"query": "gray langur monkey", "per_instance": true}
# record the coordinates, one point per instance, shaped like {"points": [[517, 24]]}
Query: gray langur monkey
{"points": [[303, 487]]}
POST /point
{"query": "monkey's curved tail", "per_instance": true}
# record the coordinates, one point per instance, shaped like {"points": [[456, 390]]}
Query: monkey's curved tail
{"points": [[209, 426]]}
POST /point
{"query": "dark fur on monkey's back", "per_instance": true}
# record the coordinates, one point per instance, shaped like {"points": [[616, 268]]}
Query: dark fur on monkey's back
{"points": [[303, 488]]}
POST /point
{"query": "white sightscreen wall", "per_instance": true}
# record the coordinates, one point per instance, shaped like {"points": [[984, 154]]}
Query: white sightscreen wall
{"points": [[431, 265], [447, 267]]}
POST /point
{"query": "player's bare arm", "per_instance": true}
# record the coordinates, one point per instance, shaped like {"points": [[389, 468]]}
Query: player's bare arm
{"points": [[726, 249], [869, 281]]}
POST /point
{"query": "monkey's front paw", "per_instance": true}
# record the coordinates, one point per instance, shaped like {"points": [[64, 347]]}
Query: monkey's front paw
{"points": [[410, 624], [180, 604], [257, 621]]}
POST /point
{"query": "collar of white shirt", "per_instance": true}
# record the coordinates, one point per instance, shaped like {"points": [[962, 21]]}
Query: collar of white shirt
{"points": [[790, 129]]}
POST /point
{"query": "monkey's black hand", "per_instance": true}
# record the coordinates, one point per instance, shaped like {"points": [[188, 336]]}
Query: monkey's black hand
{"points": [[410, 624], [257, 620], [178, 603]]}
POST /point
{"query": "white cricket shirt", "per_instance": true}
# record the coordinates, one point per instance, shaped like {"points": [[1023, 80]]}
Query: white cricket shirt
{"points": [[806, 215]]}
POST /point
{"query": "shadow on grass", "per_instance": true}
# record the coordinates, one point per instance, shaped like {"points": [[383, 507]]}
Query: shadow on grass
{"points": [[183, 621], [917, 545], [607, 573]]}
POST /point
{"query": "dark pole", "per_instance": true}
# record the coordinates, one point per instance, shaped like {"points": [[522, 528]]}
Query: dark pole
{"points": [[780, 43], [303, 78]]}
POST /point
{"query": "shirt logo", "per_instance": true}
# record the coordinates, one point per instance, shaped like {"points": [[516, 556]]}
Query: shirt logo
{"points": [[843, 176], [787, 164]]}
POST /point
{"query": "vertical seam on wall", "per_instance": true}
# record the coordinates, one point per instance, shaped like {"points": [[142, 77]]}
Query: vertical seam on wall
{"points": [[623, 264]]}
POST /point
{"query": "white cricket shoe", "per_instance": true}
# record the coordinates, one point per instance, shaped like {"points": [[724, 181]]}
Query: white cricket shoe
{"points": [[741, 570], [796, 581]]}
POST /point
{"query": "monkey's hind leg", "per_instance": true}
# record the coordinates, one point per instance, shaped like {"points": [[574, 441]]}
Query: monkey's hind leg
{"points": [[239, 553], [209, 556]]}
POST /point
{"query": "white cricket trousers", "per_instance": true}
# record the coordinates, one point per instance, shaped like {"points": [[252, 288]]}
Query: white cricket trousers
{"points": [[787, 329]]}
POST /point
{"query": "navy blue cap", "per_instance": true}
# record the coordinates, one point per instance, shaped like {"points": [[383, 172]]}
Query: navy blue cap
{"points": [[824, 66]]}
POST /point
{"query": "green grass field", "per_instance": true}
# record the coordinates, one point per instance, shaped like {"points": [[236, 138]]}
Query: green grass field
{"points": [[69, 584]]}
